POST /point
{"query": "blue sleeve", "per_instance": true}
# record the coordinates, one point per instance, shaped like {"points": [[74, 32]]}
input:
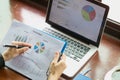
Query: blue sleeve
{"points": [[2, 62]]}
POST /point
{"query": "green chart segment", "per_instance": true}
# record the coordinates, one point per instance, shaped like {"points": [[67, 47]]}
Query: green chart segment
{"points": [[88, 13]]}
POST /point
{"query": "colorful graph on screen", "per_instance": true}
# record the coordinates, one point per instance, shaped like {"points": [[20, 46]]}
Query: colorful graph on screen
{"points": [[88, 13], [39, 47]]}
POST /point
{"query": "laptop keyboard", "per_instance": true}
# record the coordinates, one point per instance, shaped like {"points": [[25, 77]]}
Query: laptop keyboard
{"points": [[74, 49]]}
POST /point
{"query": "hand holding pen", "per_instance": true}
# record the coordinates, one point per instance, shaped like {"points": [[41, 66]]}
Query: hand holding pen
{"points": [[57, 66], [15, 49]]}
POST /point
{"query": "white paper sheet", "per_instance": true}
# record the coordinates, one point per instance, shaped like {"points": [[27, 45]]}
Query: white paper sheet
{"points": [[35, 62]]}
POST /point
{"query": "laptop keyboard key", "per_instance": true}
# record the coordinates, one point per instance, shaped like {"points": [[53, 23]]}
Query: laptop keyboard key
{"points": [[74, 49]]}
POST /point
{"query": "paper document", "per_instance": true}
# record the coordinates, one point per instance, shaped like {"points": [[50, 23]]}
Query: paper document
{"points": [[34, 62]]}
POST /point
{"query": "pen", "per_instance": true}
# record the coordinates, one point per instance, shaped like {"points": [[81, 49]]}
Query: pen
{"points": [[60, 56], [61, 53], [14, 46]]}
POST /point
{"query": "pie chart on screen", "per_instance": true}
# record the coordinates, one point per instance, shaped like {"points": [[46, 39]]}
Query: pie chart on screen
{"points": [[88, 13]]}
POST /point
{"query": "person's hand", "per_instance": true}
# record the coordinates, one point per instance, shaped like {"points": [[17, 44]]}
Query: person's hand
{"points": [[56, 68], [13, 52]]}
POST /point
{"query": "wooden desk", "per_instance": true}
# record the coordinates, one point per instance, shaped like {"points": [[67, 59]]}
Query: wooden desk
{"points": [[106, 57]]}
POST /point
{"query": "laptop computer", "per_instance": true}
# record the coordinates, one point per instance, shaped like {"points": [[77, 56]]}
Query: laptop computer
{"points": [[80, 23]]}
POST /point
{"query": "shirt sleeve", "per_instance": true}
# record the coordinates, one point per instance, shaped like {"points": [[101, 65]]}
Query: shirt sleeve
{"points": [[2, 62]]}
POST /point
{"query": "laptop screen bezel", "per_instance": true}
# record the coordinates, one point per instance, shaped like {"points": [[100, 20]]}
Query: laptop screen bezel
{"points": [[75, 35]]}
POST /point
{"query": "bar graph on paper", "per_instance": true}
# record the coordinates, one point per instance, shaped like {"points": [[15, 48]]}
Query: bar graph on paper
{"points": [[22, 38]]}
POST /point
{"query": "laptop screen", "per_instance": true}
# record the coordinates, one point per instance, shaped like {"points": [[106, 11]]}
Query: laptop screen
{"points": [[82, 19]]}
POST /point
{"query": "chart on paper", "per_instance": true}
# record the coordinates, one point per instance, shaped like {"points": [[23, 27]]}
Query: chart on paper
{"points": [[34, 62]]}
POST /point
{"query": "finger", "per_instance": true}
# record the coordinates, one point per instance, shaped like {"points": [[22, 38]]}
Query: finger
{"points": [[56, 57], [22, 50], [21, 43], [63, 57]]}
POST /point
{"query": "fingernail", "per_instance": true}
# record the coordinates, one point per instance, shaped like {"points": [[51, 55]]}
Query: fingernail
{"points": [[26, 48], [13, 41]]}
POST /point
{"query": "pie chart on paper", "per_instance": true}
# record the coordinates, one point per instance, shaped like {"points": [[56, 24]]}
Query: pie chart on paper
{"points": [[88, 13]]}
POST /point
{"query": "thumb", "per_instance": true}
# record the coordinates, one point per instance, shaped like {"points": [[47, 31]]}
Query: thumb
{"points": [[22, 50], [56, 57]]}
